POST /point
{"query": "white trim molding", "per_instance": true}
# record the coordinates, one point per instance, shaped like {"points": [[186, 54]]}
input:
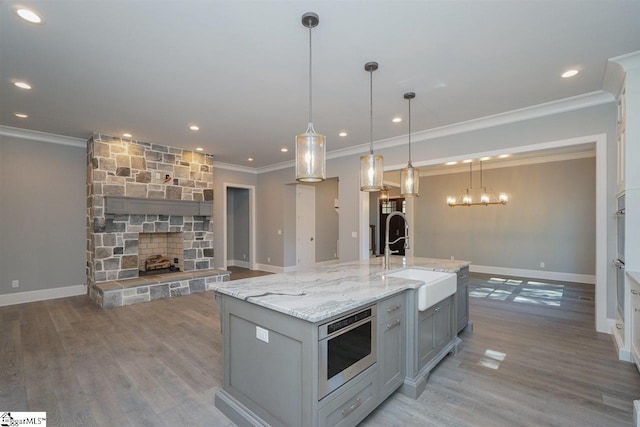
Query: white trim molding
{"points": [[591, 99], [237, 263], [534, 274], [252, 222], [232, 167], [42, 295], [34, 135]]}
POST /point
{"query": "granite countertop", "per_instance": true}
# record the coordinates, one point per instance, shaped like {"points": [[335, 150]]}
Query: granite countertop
{"points": [[320, 293]]}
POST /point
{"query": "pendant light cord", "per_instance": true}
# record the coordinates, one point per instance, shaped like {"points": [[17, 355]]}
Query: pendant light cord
{"points": [[410, 132], [310, 77], [371, 112]]}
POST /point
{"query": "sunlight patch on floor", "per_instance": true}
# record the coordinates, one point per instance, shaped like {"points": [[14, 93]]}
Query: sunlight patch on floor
{"points": [[492, 359], [521, 291]]}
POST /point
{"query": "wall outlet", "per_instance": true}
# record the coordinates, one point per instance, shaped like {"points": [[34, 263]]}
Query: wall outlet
{"points": [[541, 264], [354, 234], [452, 258], [244, 256], [279, 232], [262, 334], [15, 283], [268, 259]]}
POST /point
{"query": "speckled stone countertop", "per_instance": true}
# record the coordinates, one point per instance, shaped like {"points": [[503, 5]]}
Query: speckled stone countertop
{"points": [[323, 292]]}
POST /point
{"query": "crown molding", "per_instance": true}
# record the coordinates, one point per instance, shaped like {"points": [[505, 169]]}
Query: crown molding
{"points": [[514, 163], [34, 135], [628, 61], [616, 69], [591, 99], [232, 167]]}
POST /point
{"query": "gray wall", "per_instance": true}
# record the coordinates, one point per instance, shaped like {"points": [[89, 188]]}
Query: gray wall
{"points": [[42, 215], [550, 218], [327, 220], [238, 224], [220, 177]]}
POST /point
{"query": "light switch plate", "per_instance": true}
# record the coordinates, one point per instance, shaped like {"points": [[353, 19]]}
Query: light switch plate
{"points": [[262, 334], [354, 234]]}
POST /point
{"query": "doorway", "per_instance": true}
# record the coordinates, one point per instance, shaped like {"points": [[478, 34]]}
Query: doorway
{"points": [[239, 225]]}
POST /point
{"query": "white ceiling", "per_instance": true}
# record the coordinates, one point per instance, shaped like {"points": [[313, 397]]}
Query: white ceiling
{"points": [[238, 69]]}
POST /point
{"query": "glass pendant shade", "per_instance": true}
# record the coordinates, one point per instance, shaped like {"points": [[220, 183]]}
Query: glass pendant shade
{"points": [[311, 149], [371, 172], [384, 195], [371, 169], [409, 181]]}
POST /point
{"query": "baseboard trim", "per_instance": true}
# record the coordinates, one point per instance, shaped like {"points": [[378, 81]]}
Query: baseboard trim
{"points": [[328, 262], [270, 268], [237, 263], [42, 295], [535, 274]]}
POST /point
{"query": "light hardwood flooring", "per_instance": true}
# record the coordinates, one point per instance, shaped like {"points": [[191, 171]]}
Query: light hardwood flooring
{"points": [[238, 273], [533, 359]]}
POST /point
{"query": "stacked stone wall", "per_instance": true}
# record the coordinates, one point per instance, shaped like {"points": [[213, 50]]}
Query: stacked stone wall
{"points": [[125, 168]]}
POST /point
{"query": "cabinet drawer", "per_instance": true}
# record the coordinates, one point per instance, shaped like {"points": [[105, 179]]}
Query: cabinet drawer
{"points": [[351, 406], [391, 308]]}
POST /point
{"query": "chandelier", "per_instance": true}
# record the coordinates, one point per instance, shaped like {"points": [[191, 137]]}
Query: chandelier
{"points": [[479, 196]]}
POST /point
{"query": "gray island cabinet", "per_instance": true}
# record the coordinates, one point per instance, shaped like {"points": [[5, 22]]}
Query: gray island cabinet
{"points": [[285, 334]]}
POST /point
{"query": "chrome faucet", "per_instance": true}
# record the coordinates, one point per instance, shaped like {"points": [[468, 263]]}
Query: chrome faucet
{"points": [[387, 249]]}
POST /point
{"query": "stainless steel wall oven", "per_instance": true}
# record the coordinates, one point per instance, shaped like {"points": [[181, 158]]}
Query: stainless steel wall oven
{"points": [[347, 346]]}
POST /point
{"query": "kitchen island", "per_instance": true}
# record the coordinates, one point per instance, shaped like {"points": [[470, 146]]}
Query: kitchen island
{"points": [[326, 346]]}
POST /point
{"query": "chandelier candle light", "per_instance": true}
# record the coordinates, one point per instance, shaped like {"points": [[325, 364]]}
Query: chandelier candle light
{"points": [[310, 146], [371, 164], [409, 176], [477, 196]]}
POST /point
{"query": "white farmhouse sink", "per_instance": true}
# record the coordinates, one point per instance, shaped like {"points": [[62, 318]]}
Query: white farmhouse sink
{"points": [[437, 285]]}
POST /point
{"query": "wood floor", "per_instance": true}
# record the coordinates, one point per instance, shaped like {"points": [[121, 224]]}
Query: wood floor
{"points": [[238, 273], [533, 359]]}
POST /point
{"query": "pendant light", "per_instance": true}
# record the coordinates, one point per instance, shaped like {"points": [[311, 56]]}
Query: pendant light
{"points": [[384, 194], [310, 146], [371, 164], [409, 176]]}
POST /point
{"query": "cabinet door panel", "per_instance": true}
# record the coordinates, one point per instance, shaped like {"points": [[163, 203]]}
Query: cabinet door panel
{"points": [[392, 359], [426, 342], [443, 327]]}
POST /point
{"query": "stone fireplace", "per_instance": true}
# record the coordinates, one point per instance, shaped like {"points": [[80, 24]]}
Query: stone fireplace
{"points": [[166, 245], [142, 197]]}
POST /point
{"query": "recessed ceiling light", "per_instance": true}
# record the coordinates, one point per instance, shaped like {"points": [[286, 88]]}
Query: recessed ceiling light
{"points": [[127, 135], [199, 149], [451, 163], [29, 15], [482, 159], [194, 127], [342, 134], [23, 85], [467, 161], [21, 115], [570, 73], [250, 159], [284, 149], [397, 119], [504, 156]]}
